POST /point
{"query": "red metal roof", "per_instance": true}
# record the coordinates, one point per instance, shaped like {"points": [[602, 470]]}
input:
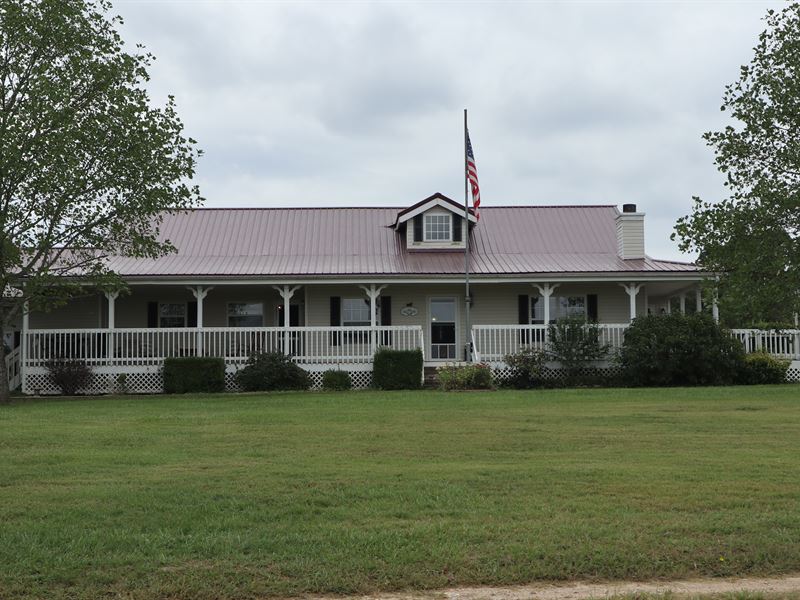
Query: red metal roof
{"points": [[280, 242]]}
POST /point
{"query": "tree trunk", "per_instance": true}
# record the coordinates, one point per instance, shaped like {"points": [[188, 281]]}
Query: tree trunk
{"points": [[5, 395]]}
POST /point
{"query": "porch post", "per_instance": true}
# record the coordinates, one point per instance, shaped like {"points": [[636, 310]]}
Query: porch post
{"points": [[632, 289], [683, 303], [199, 293], [668, 305], [110, 341], [286, 293], [546, 290], [23, 349], [698, 299], [372, 293], [715, 303]]}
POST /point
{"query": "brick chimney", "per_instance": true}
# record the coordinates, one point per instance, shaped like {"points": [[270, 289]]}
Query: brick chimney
{"points": [[630, 233]]}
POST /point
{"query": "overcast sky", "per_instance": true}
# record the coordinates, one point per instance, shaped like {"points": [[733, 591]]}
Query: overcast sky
{"points": [[357, 103]]}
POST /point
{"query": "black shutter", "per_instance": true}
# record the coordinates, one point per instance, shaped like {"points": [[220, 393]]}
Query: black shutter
{"points": [[524, 310], [336, 318], [457, 226], [152, 314], [386, 319], [591, 307], [191, 314], [418, 228]]}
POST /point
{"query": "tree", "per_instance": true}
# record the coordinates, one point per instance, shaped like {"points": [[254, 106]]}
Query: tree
{"points": [[752, 238], [87, 166]]}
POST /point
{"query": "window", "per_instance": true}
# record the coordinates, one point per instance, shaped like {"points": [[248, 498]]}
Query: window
{"points": [[438, 228], [245, 314], [560, 307], [355, 312], [172, 314]]}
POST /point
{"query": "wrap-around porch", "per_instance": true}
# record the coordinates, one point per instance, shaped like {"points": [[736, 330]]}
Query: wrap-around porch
{"points": [[337, 325]]}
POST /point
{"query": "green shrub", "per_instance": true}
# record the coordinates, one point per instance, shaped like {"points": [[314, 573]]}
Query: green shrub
{"points": [[194, 374], [762, 368], [69, 375], [526, 369], [397, 369], [464, 377], [272, 371], [335, 380], [575, 344], [676, 349]]}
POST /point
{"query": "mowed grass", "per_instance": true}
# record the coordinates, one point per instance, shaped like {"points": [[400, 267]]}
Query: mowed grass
{"points": [[290, 494]]}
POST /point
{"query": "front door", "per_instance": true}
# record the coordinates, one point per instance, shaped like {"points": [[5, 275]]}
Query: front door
{"points": [[443, 328]]}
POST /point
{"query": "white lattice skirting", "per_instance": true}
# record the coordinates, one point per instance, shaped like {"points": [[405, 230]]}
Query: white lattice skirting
{"points": [[149, 380]]}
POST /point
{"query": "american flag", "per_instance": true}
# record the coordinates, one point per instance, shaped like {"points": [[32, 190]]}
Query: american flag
{"points": [[472, 175]]}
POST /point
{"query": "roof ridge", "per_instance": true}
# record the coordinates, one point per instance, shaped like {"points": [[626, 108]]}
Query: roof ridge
{"points": [[386, 207]]}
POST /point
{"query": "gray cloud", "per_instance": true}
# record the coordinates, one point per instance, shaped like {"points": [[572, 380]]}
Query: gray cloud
{"points": [[360, 103]]}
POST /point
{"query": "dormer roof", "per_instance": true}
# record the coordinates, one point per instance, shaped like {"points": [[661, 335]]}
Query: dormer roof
{"points": [[436, 200]]}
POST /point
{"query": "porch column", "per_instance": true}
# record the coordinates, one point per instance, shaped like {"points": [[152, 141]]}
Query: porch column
{"points": [[546, 290], [286, 293], [698, 299], [199, 293], [715, 308], [683, 303], [373, 292], [110, 341], [668, 306], [23, 348], [632, 289]]}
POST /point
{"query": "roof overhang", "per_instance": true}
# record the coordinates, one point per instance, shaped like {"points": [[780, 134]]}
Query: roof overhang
{"points": [[437, 200]]}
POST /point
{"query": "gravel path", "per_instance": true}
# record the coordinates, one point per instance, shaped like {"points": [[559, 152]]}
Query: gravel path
{"points": [[582, 591]]}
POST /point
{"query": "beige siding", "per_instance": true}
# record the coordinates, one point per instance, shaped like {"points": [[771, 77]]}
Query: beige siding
{"points": [[80, 313]]}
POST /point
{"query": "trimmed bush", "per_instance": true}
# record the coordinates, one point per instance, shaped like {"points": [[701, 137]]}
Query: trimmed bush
{"points": [[526, 369], [676, 349], [336, 381], [464, 377], [761, 368], [69, 375], [575, 345], [272, 371], [397, 369], [194, 374]]}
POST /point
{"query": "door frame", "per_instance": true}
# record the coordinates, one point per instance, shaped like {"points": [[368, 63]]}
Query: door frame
{"points": [[457, 324]]}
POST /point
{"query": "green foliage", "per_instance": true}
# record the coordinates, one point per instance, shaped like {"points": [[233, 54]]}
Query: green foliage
{"points": [[761, 368], [68, 374], [272, 371], [397, 369], [676, 349], [575, 344], [526, 368], [88, 166], [335, 380], [464, 377], [194, 374], [750, 238]]}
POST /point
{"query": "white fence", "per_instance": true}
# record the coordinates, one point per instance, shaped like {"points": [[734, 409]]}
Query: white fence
{"points": [[783, 343], [492, 343], [149, 347]]}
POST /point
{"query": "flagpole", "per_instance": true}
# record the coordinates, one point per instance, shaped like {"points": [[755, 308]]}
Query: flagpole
{"points": [[467, 299]]}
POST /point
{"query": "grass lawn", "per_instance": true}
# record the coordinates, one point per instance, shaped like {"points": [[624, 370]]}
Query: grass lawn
{"points": [[246, 496]]}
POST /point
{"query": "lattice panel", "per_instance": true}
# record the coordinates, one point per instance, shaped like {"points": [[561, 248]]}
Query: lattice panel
{"points": [[502, 373], [41, 384], [143, 383], [793, 374]]}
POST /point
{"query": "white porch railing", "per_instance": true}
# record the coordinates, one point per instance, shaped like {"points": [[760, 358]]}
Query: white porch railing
{"points": [[13, 369], [147, 347], [784, 343], [492, 343]]}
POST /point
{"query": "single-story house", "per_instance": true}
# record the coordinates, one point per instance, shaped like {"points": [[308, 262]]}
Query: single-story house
{"points": [[330, 285]]}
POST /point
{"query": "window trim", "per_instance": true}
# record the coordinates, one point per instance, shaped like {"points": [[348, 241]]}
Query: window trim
{"points": [[228, 311], [449, 228], [344, 323], [554, 318], [185, 314]]}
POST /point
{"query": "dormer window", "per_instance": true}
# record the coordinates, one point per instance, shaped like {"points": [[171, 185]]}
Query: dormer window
{"points": [[438, 228]]}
